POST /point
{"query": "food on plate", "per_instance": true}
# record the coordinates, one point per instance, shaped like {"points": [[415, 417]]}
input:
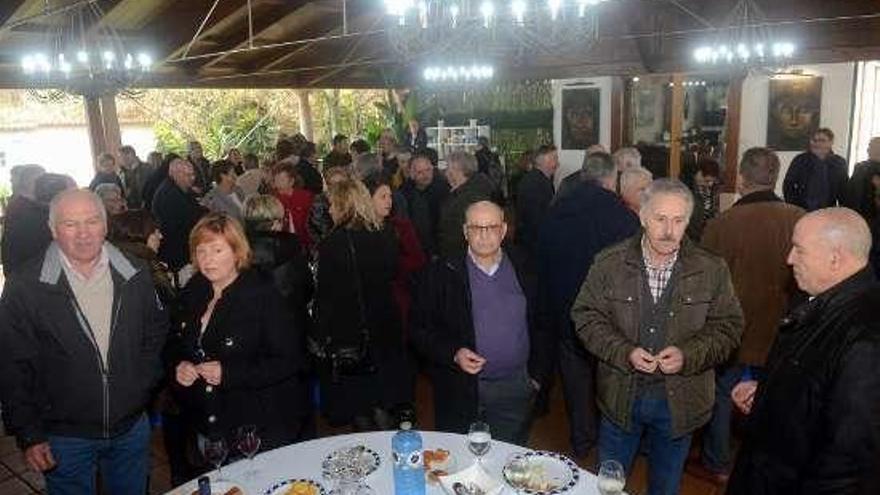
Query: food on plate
{"points": [[436, 459], [302, 488], [526, 474], [436, 464]]}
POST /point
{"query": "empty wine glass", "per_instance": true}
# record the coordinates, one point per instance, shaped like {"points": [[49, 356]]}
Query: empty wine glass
{"points": [[215, 453], [479, 439], [248, 443], [611, 478]]}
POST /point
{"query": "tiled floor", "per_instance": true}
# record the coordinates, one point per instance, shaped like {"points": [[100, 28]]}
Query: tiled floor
{"points": [[549, 432]]}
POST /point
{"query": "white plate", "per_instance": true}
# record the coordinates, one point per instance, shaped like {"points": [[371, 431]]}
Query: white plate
{"points": [[556, 469], [281, 487], [472, 476], [366, 462]]}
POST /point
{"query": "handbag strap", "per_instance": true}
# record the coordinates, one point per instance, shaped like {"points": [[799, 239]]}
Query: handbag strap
{"points": [[359, 289]]}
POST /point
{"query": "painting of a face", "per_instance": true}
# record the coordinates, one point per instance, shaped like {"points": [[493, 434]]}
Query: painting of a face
{"points": [[580, 118], [794, 111]]}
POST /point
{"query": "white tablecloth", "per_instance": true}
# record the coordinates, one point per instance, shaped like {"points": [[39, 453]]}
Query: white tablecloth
{"points": [[303, 460]]}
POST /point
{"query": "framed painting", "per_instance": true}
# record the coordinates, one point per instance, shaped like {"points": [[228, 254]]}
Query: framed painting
{"points": [[793, 112], [580, 118]]}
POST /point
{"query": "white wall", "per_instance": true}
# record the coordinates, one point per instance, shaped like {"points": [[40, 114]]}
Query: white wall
{"points": [[837, 91], [571, 160], [63, 150]]}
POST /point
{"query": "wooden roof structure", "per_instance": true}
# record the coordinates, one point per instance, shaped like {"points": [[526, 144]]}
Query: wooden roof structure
{"points": [[343, 43]]}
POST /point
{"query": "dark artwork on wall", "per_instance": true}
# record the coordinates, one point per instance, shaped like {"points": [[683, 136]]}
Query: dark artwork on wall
{"points": [[580, 118], [793, 112]]}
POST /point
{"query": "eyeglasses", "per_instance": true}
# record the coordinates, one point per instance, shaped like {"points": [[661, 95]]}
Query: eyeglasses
{"points": [[493, 229]]}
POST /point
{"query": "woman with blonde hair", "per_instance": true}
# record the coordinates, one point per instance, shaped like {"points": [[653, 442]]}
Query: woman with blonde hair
{"points": [[240, 361], [364, 369], [279, 255]]}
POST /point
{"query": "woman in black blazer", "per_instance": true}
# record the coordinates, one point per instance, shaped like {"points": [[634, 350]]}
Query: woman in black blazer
{"points": [[241, 360], [357, 262]]}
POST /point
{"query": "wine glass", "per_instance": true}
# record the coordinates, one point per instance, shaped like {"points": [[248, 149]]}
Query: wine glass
{"points": [[479, 439], [248, 443], [215, 453], [611, 478]]}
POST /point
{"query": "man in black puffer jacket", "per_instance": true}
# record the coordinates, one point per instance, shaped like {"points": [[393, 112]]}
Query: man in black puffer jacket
{"points": [[81, 330], [814, 419]]}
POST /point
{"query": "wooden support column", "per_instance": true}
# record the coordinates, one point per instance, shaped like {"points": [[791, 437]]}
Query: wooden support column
{"points": [[112, 134], [305, 113], [617, 113], [676, 125], [731, 144], [95, 125]]}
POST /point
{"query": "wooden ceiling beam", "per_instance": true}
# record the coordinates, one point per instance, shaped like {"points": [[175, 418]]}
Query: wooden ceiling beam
{"points": [[303, 13]]}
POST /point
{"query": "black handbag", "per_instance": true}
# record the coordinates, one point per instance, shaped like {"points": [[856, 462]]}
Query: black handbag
{"points": [[353, 360]]}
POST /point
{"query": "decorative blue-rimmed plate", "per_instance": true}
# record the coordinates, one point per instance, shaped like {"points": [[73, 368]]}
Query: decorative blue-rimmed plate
{"points": [[282, 487], [541, 473]]}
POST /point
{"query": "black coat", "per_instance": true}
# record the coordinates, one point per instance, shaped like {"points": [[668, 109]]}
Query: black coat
{"points": [[280, 256], [533, 198], [339, 316], [176, 212], [441, 322], [801, 172], [424, 210], [581, 223], [860, 191], [262, 356], [25, 232], [54, 380], [815, 424]]}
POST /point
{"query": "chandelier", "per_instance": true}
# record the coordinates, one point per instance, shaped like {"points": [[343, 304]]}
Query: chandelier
{"points": [[746, 41], [465, 32], [80, 54]]}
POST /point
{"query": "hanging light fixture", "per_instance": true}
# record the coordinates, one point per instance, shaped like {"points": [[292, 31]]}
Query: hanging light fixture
{"points": [[79, 53], [745, 41], [419, 28]]}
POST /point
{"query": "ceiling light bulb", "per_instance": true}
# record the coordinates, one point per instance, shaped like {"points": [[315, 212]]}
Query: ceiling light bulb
{"points": [[487, 9], [554, 5], [518, 7]]}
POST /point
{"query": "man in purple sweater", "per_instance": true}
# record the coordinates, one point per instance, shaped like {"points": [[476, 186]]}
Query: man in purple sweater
{"points": [[473, 321]]}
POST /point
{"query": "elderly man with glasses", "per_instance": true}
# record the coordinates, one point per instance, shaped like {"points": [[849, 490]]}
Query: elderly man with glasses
{"points": [[474, 322]]}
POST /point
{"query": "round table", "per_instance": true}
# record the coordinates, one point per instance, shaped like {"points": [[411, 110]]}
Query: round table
{"points": [[303, 460]]}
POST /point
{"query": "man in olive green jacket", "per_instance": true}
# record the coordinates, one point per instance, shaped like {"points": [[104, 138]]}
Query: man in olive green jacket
{"points": [[660, 314]]}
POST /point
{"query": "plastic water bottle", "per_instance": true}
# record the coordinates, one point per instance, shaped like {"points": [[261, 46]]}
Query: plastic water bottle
{"points": [[409, 473]]}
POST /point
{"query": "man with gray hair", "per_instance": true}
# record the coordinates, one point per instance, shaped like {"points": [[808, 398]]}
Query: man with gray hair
{"points": [[571, 182], [626, 158], [633, 181], [660, 314], [82, 331], [22, 218], [467, 186], [575, 229], [813, 416]]}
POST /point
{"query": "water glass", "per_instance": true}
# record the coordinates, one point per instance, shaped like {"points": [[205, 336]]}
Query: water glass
{"points": [[479, 439]]}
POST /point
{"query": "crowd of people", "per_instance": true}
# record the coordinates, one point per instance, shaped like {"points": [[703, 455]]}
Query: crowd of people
{"points": [[212, 296]]}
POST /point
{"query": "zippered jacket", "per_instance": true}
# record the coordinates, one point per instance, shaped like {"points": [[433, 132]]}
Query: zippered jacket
{"points": [[52, 377]]}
